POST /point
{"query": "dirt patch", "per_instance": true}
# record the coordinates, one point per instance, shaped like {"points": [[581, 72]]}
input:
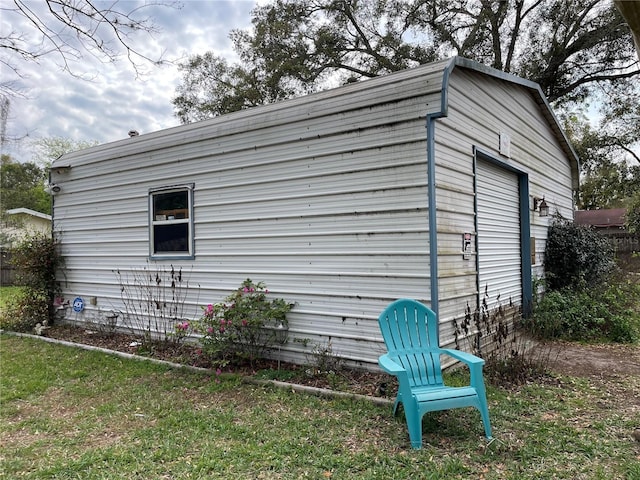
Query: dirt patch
{"points": [[606, 360], [127, 343], [613, 372]]}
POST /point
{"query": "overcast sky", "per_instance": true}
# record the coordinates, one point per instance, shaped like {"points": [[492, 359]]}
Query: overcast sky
{"points": [[113, 101]]}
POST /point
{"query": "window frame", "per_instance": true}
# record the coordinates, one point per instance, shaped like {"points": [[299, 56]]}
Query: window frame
{"points": [[153, 223]]}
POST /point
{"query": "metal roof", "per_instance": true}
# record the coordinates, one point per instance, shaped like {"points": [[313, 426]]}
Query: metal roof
{"points": [[158, 140]]}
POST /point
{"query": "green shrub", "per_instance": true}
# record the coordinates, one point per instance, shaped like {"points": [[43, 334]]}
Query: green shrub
{"points": [[24, 310], [576, 256], [623, 300], [244, 326], [607, 312], [37, 259], [632, 217]]}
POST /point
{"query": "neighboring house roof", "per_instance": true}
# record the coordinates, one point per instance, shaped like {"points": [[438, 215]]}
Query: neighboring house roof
{"points": [[23, 222], [28, 211], [613, 217]]}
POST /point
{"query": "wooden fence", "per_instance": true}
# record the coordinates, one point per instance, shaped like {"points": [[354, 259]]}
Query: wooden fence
{"points": [[7, 270], [624, 242]]}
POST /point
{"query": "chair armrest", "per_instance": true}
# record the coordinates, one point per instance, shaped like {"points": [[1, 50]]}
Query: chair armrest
{"points": [[394, 368], [475, 365], [389, 365], [464, 357]]}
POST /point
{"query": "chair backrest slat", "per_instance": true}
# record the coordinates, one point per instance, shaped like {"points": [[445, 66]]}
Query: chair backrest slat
{"points": [[409, 329]]}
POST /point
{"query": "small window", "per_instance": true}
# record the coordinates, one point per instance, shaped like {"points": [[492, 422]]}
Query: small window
{"points": [[171, 231]]}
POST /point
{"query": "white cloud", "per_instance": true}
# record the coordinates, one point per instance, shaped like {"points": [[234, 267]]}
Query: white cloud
{"points": [[113, 101]]}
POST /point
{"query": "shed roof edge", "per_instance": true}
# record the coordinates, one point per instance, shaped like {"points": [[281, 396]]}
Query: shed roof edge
{"points": [[540, 98]]}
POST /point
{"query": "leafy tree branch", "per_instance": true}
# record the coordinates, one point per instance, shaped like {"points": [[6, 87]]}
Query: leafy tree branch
{"points": [[295, 47]]}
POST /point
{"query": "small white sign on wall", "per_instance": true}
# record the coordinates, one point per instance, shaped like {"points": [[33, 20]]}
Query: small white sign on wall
{"points": [[467, 246], [505, 144]]}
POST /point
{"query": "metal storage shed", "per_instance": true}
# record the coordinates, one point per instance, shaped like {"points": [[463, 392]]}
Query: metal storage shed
{"points": [[327, 199]]}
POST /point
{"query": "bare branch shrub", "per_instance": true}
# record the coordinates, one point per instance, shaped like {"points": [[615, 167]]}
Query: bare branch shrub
{"points": [[154, 301], [511, 351]]}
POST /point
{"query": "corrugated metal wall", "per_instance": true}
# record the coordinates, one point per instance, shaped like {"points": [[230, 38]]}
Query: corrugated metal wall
{"points": [[478, 112], [322, 198]]}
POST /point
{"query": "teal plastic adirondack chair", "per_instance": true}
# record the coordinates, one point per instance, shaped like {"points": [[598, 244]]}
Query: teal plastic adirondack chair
{"points": [[409, 329]]}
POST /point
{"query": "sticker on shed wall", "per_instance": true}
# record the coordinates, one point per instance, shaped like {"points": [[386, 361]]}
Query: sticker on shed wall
{"points": [[78, 304]]}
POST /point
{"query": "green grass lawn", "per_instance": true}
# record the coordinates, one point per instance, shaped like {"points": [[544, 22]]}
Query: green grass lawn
{"points": [[6, 294], [70, 413]]}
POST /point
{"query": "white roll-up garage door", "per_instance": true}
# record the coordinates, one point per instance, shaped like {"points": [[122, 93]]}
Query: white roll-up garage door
{"points": [[499, 245]]}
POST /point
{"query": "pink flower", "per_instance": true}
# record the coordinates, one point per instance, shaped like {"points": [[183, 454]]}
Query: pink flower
{"points": [[209, 308], [221, 329], [244, 323], [210, 330], [266, 290], [245, 290], [182, 326]]}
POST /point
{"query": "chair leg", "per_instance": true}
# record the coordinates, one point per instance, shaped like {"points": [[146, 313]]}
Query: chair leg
{"points": [[414, 425], [395, 406], [478, 383], [484, 413]]}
